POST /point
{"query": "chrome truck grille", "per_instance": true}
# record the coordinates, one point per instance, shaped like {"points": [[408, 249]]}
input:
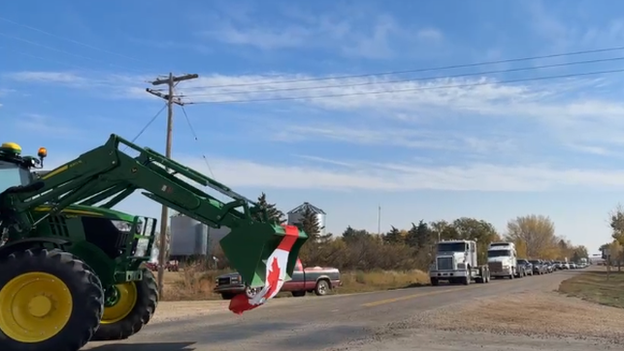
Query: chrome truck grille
{"points": [[495, 266], [445, 263]]}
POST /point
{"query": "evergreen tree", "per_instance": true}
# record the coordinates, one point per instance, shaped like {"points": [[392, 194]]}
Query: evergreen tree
{"points": [[310, 224], [411, 238], [273, 214], [393, 236], [352, 235]]}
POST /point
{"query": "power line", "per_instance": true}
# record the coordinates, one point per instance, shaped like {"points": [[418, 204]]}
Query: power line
{"points": [[70, 40], [149, 123], [421, 70], [3, 48], [463, 75], [188, 121], [395, 91], [65, 52]]}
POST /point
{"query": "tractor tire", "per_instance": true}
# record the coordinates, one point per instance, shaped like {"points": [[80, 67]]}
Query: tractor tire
{"points": [[134, 307], [49, 300]]}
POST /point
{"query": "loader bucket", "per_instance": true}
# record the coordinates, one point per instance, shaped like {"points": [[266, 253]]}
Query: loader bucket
{"points": [[249, 245]]}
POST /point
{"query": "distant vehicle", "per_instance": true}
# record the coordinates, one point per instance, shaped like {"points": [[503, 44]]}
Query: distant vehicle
{"points": [[319, 280], [502, 260], [550, 266], [456, 262], [525, 266], [538, 267]]}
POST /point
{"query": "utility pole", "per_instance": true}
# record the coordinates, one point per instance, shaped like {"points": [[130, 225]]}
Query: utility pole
{"points": [[171, 82], [379, 220]]}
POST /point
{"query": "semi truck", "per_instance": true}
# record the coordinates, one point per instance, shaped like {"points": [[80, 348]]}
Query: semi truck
{"points": [[73, 268], [456, 262], [502, 260]]}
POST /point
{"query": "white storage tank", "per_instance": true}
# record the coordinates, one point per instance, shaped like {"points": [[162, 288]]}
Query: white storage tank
{"points": [[215, 235], [201, 239], [294, 215], [188, 237]]}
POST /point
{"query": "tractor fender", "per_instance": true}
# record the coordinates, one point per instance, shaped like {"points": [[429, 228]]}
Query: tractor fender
{"points": [[30, 243]]}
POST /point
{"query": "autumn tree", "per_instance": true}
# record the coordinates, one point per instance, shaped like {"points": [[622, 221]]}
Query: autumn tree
{"points": [[537, 232], [480, 231], [617, 224], [272, 213], [443, 230]]}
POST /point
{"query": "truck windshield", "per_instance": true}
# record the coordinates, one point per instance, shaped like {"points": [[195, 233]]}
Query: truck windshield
{"points": [[452, 247], [12, 175], [499, 253]]}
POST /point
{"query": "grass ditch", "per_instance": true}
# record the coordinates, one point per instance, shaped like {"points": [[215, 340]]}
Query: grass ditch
{"points": [[193, 283], [594, 286]]}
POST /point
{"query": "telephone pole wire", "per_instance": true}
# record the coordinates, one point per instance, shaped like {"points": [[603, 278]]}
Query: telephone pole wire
{"points": [[171, 81]]}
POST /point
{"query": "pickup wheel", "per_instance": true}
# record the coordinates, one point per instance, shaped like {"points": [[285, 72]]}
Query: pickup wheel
{"points": [[322, 288], [227, 296], [298, 293]]}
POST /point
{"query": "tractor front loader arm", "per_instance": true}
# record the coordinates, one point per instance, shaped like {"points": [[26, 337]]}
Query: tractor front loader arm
{"points": [[108, 174]]}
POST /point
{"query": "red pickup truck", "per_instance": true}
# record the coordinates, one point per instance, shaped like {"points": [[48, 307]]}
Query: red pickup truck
{"points": [[320, 280]]}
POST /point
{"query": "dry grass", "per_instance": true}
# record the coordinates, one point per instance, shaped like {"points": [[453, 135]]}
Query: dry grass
{"points": [[354, 282], [193, 283], [595, 287]]}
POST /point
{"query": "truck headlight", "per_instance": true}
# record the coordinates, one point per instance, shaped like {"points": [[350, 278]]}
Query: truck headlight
{"points": [[123, 226], [461, 266]]}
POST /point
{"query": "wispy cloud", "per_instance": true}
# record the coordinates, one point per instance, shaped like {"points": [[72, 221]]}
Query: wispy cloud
{"points": [[351, 31], [351, 175], [570, 111], [49, 126]]}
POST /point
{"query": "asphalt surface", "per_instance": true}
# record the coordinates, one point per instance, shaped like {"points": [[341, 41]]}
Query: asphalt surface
{"points": [[315, 323]]}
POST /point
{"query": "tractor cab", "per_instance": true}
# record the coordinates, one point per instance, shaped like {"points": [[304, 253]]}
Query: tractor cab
{"points": [[15, 168]]}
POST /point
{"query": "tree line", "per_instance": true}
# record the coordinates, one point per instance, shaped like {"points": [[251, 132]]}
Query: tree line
{"points": [[414, 247], [615, 246]]}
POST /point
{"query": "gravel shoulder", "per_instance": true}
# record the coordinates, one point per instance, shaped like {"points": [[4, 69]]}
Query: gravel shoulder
{"points": [[536, 314]]}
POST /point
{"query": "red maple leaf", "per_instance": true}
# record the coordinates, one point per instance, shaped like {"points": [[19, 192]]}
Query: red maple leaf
{"points": [[273, 278], [240, 303]]}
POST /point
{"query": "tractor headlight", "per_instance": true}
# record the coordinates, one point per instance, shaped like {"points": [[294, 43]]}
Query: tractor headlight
{"points": [[123, 226]]}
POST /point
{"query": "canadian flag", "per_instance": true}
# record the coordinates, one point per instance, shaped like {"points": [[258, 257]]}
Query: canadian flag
{"points": [[275, 274]]}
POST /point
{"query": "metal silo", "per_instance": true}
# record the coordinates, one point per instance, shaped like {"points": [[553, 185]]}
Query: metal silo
{"points": [[201, 240], [215, 235], [294, 215], [183, 236]]}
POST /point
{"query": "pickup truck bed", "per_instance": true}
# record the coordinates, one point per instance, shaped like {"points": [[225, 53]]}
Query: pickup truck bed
{"points": [[320, 280]]}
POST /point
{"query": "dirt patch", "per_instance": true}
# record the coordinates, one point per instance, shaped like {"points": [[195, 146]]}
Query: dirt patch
{"points": [[596, 286], [546, 314]]}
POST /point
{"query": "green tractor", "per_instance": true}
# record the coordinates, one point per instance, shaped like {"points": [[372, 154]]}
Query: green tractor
{"points": [[72, 268]]}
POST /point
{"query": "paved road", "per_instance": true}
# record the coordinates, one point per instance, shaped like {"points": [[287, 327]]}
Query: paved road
{"points": [[313, 323]]}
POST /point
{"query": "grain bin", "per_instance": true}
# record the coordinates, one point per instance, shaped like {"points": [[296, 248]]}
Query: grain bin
{"points": [[295, 215], [188, 237]]}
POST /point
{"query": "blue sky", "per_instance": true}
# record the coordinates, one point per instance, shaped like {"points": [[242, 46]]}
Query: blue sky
{"points": [[73, 72]]}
